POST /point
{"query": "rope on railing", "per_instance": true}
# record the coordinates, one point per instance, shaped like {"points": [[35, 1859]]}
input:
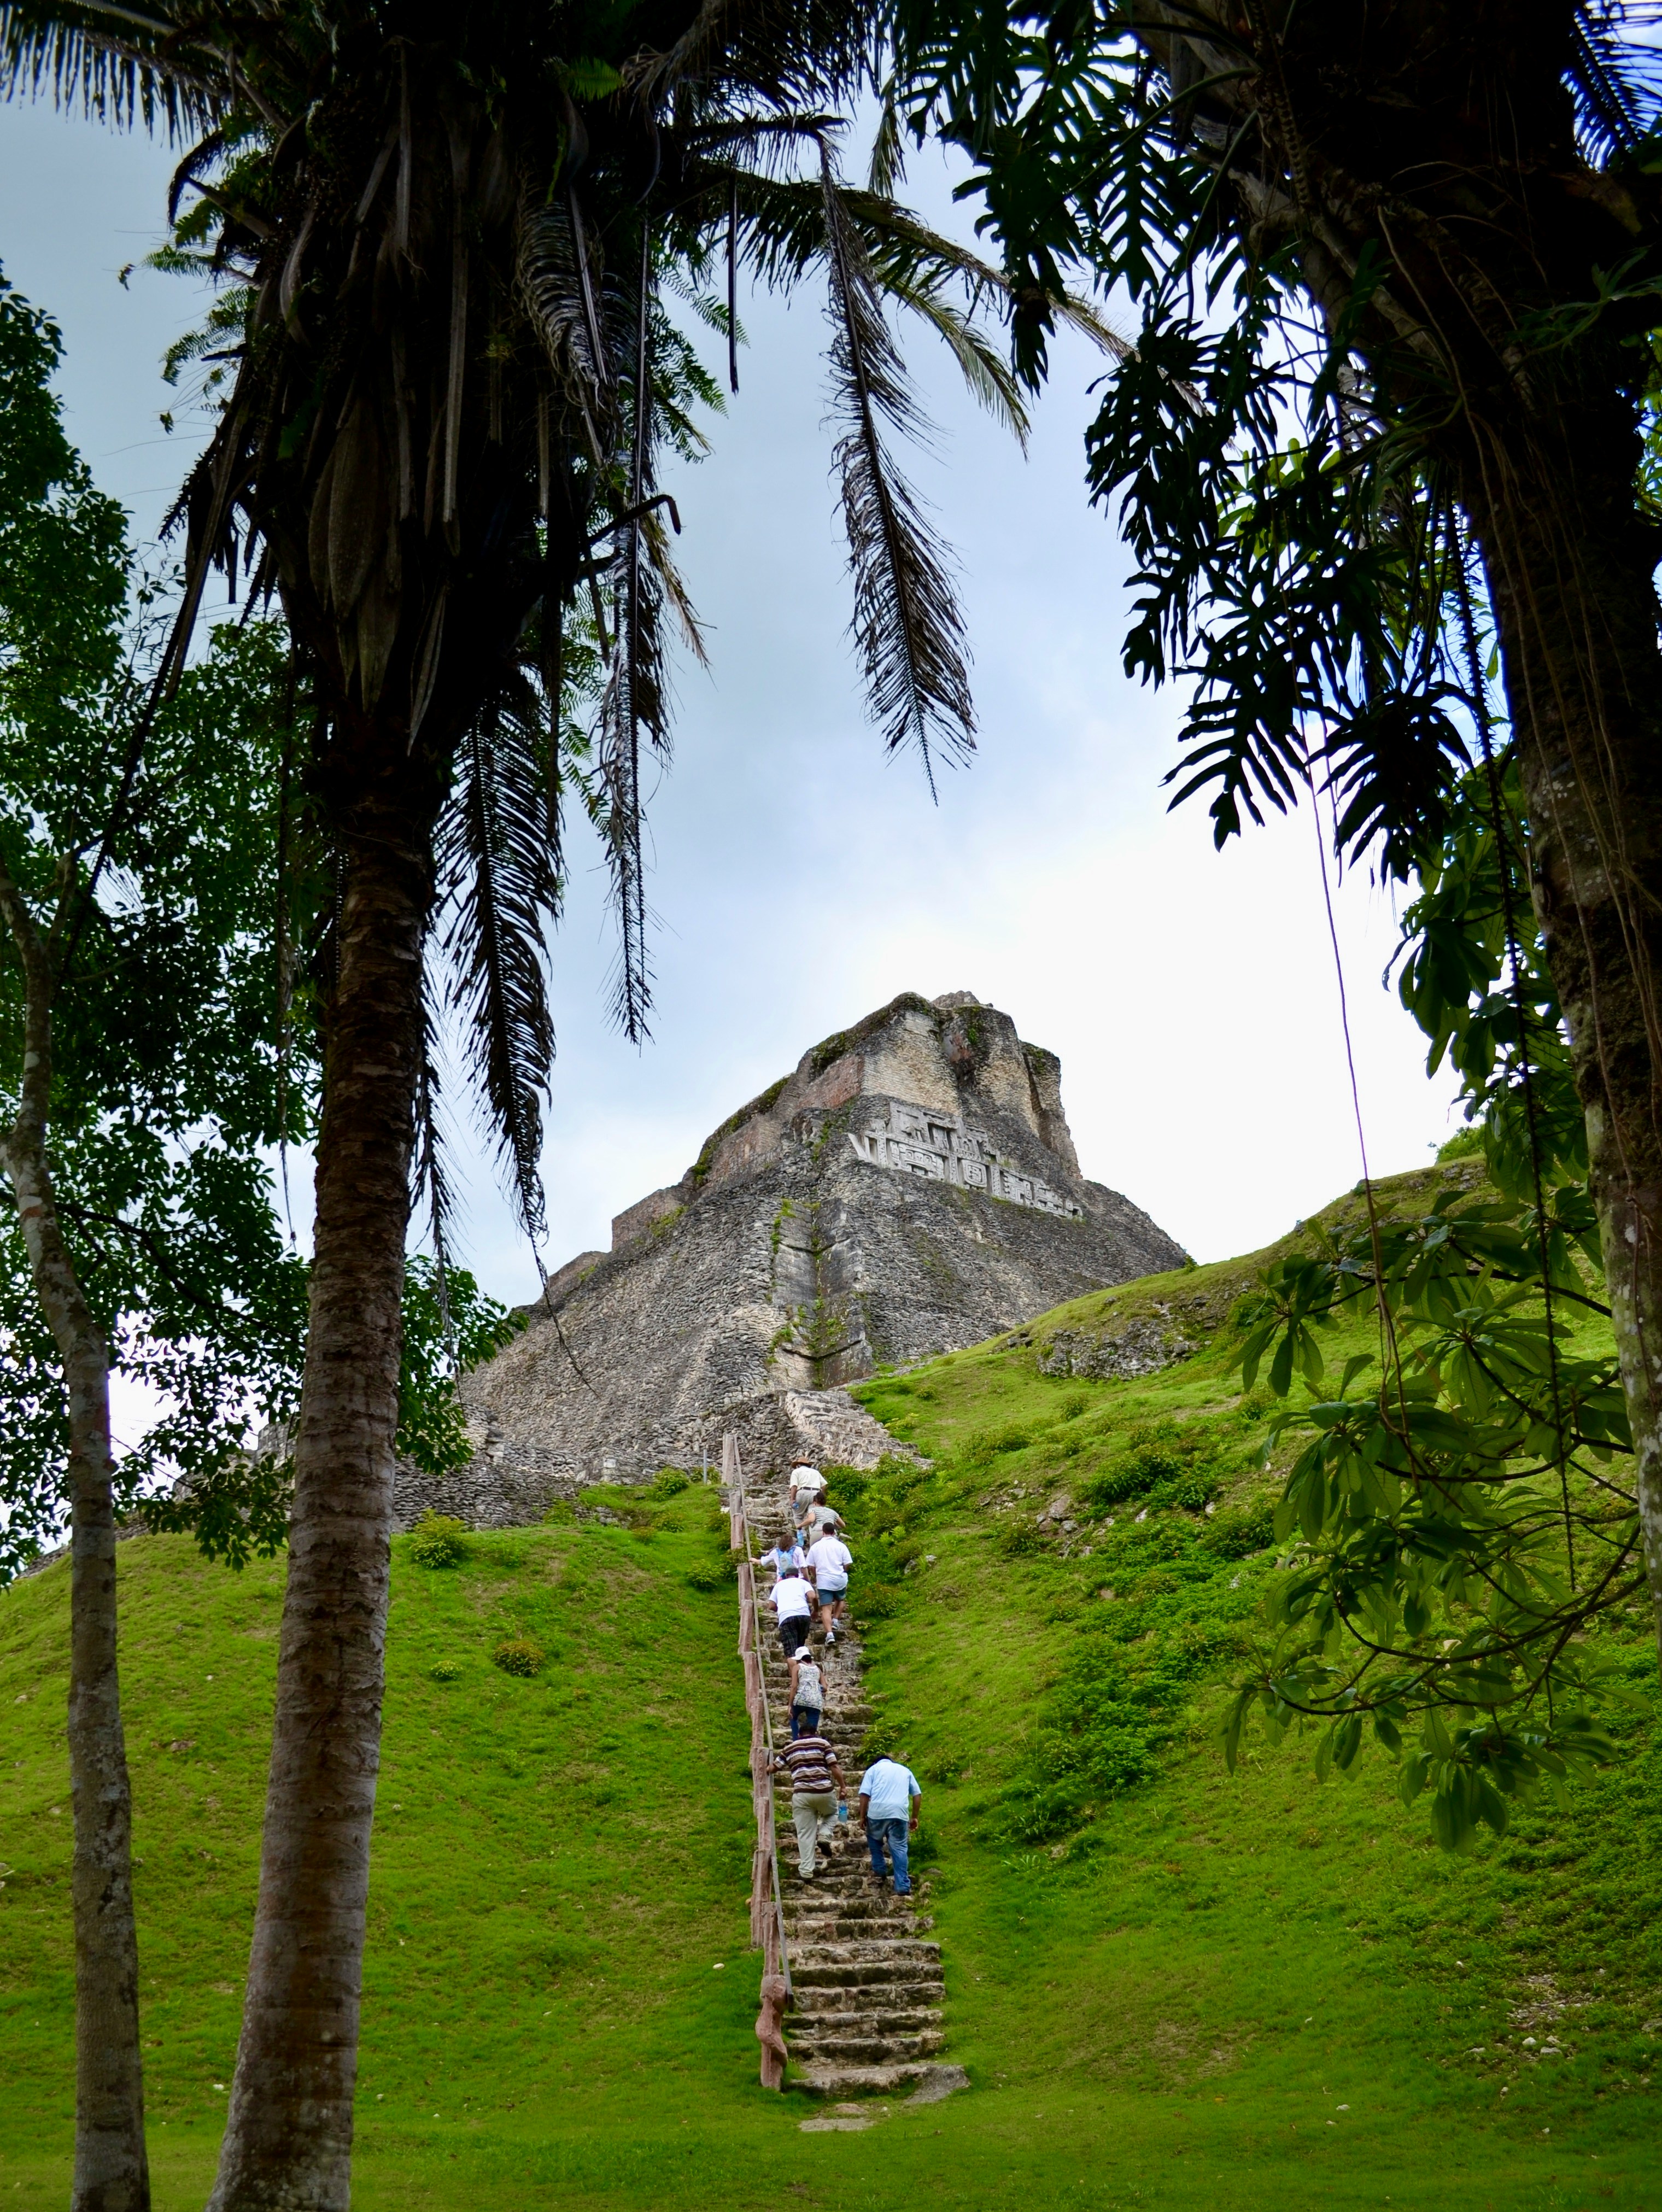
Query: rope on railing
{"points": [[767, 1900]]}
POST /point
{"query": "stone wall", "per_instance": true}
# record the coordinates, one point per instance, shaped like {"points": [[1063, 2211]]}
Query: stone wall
{"points": [[912, 1188]]}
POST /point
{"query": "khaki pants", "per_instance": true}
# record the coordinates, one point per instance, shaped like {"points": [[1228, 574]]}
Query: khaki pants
{"points": [[814, 1816]]}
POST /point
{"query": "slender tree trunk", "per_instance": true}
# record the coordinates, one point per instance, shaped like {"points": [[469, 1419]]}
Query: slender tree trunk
{"points": [[110, 2171], [1570, 566], [288, 2141]]}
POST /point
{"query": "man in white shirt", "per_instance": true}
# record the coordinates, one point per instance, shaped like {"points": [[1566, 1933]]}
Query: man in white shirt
{"points": [[890, 1795], [793, 1601], [828, 1561]]}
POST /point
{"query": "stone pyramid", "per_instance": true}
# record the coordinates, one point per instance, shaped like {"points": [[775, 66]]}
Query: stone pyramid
{"points": [[911, 1189]]}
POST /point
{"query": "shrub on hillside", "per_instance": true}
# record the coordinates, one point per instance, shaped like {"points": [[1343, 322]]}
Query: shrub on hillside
{"points": [[881, 1740], [668, 1482], [445, 1670], [713, 1574], [1134, 1476], [520, 1655], [437, 1540], [1018, 1538], [1237, 1535], [878, 1601], [1193, 1492], [991, 1442]]}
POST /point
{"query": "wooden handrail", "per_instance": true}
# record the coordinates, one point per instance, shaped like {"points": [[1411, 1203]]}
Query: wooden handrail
{"points": [[766, 1927]]}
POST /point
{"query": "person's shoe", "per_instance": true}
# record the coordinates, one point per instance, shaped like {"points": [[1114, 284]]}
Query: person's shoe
{"points": [[830, 1635]]}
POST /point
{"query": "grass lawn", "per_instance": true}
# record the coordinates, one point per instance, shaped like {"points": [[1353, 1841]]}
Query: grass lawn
{"points": [[1171, 1987]]}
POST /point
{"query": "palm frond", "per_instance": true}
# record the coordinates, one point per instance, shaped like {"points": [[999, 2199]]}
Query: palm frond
{"points": [[990, 380], [552, 286], [430, 1176], [887, 167], [906, 622], [116, 64], [1613, 73], [499, 860], [809, 53]]}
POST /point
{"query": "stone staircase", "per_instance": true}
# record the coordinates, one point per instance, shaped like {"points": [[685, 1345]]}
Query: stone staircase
{"points": [[867, 1981]]}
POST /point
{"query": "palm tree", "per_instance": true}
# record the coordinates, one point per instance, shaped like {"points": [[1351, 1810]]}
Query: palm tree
{"points": [[450, 235]]}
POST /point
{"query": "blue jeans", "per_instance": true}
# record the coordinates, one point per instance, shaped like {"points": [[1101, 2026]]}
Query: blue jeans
{"points": [[804, 1720], [893, 1833]]}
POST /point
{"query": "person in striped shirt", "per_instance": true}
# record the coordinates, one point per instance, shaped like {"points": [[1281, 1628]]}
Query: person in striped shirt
{"points": [[816, 1779]]}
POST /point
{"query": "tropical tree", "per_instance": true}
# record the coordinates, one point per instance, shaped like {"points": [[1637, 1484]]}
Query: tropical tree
{"points": [[1384, 415], [451, 237], [138, 1085]]}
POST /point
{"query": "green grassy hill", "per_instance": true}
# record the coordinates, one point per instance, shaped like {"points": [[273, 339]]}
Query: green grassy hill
{"points": [[1171, 1987]]}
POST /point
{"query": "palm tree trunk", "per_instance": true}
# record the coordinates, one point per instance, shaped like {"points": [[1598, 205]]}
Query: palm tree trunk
{"points": [[110, 2171], [289, 2140], [1570, 565]]}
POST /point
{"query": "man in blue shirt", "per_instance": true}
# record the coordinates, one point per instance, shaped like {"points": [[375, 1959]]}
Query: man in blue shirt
{"points": [[890, 1798]]}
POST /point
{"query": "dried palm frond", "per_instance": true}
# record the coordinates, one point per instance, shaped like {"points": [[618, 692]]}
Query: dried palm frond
{"points": [[498, 851]]}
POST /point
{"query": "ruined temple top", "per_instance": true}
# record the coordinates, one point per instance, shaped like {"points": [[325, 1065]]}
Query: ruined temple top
{"points": [[956, 1078]]}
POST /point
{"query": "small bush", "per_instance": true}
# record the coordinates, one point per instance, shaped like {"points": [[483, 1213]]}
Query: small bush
{"points": [[1128, 1478], [437, 1540], [1237, 1535], [445, 1670], [520, 1655], [668, 1482], [1018, 1538], [881, 1740], [879, 1603], [991, 1442], [1193, 1492], [713, 1574], [1464, 1144]]}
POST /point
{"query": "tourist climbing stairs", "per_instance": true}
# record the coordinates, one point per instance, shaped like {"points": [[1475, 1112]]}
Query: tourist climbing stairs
{"points": [[865, 2017]]}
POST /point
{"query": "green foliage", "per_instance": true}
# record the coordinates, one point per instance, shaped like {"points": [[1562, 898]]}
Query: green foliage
{"points": [[668, 1482], [711, 1575], [445, 1670], [449, 1325], [1462, 1517], [1018, 1538], [174, 1074], [1293, 502], [519, 1655], [1237, 1535], [438, 1540], [1464, 1144]]}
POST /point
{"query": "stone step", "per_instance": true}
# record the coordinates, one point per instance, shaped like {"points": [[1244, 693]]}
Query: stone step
{"points": [[860, 1974], [868, 2019], [924, 1958], [895, 2001], [819, 1898], [869, 2049], [833, 1928], [820, 2080]]}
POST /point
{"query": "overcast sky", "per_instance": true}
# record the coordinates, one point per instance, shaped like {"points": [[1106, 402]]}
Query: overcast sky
{"points": [[800, 880]]}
